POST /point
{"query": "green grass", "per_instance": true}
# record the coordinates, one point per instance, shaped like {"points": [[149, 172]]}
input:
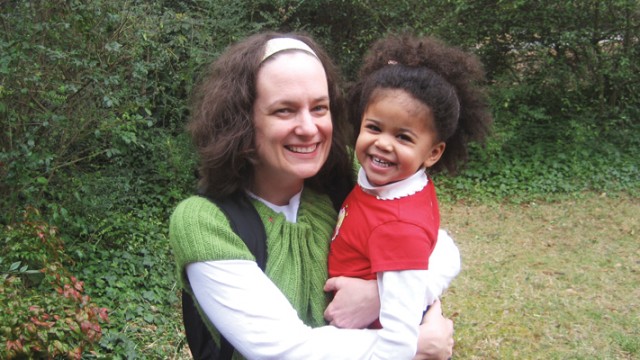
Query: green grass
{"points": [[547, 280]]}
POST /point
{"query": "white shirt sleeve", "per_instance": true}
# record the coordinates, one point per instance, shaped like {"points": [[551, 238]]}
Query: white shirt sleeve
{"points": [[404, 295], [444, 266], [258, 320], [401, 306]]}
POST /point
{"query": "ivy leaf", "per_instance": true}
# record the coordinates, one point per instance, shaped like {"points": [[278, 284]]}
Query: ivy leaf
{"points": [[148, 318], [149, 295]]}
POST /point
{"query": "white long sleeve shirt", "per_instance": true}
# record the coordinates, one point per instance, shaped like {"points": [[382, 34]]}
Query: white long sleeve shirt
{"points": [[258, 320]]}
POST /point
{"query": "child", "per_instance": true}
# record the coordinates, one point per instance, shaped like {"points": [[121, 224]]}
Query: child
{"points": [[415, 98]]}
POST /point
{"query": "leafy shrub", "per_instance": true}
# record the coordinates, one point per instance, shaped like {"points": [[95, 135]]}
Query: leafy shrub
{"points": [[142, 272], [537, 163], [82, 84], [49, 317]]}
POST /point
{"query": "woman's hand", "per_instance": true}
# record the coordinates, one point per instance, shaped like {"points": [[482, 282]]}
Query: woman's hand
{"points": [[436, 335], [356, 303]]}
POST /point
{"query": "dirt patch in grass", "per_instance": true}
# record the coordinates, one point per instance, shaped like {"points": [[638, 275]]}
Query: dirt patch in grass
{"points": [[547, 280]]}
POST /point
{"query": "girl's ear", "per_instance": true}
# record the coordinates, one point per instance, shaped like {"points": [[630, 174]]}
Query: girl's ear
{"points": [[435, 154]]}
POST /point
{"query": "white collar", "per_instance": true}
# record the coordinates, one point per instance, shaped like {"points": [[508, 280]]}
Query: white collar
{"points": [[396, 190], [290, 210]]}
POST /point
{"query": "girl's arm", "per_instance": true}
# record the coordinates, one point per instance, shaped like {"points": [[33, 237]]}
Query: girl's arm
{"points": [[402, 303], [356, 303], [436, 335], [436, 332], [444, 266]]}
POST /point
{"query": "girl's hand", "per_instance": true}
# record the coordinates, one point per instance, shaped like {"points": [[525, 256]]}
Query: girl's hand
{"points": [[356, 303]]}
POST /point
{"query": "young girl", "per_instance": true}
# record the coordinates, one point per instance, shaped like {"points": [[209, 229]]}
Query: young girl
{"points": [[416, 98]]}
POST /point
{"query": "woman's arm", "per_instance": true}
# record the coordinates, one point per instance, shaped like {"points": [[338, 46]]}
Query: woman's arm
{"points": [[258, 320]]}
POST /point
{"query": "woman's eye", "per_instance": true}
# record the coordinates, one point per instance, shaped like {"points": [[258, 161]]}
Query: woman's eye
{"points": [[320, 109], [283, 111]]}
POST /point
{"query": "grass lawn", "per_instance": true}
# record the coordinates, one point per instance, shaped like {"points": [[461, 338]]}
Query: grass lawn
{"points": [[546, 280]]}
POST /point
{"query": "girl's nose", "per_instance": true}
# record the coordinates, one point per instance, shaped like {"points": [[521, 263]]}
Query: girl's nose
{"points": [[383, 143]]}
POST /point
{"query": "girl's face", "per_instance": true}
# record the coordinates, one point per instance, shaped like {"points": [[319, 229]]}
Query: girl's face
{"points": [[397, 137], [293, 124]]}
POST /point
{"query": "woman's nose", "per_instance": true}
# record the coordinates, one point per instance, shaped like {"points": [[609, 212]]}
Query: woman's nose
{"points": [[305, 126]]}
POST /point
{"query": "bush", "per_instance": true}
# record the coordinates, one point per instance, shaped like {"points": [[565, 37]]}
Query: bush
{"points": [[82, 86], [50, 314]]}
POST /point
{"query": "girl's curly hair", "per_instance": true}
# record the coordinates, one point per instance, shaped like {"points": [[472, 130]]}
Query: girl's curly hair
{"points": [[446, 79]]}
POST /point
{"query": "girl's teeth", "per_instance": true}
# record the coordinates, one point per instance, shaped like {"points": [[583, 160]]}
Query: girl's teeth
{"points": [[381, 162]]}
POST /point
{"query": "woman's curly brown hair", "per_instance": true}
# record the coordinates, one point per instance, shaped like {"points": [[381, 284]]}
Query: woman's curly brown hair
{"points": [[446, 79], [222, 129]]}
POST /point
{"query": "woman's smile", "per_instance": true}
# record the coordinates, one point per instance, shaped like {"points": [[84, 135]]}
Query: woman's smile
{"points": [[302, 149]]}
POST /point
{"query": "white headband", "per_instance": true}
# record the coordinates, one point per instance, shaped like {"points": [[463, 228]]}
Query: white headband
{"points": [[276, 45]]}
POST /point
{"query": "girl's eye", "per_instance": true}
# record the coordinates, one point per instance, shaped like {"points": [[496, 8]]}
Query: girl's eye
{"points": [[405, 138], [372, 127]]}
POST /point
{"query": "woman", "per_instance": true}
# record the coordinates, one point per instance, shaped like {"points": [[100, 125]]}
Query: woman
{"points": [[268, 121]]}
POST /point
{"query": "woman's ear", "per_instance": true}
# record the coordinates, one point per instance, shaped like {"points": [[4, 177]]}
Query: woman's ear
{"points": [[434, 154]]}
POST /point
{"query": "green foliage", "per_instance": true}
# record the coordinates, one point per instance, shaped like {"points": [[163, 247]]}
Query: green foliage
{"points": [[564, 84], [93, 80], [545, 162], [571, 60], [94, 98], [50, 315], [144, 276]]}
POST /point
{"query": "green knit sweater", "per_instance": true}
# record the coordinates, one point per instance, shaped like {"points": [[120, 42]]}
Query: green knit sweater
{"points": [[297, 252]]}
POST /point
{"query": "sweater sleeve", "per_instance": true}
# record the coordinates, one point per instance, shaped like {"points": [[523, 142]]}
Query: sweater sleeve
{"points": [[200, 231]]}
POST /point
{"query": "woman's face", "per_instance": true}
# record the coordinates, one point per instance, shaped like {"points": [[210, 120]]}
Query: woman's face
{"points": [[293, 124]]}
